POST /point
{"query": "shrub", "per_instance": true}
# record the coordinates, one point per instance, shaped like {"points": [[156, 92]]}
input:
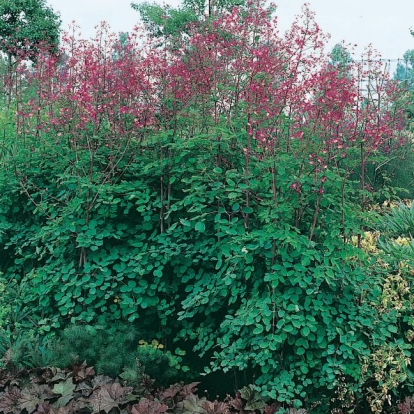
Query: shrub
{"points": [[208, 192]]}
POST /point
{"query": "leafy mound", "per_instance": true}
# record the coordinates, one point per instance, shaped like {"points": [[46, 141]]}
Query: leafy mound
{"points": [[79, 390]]}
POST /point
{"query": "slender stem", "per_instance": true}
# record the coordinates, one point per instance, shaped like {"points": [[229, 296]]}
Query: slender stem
{"points": [[363, 199], [246, 172]]}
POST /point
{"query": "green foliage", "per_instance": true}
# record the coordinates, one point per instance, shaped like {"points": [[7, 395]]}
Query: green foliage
{"points": [[397, 229], [5, 308], [238, 284], [165, 21], [25, 24], [405, 70], [237, 253], [404, 74], [400, 221], [171, 23], [24, 349], [96, 346], [22, 341], [161, 365], [119, 352], [341, 58]]}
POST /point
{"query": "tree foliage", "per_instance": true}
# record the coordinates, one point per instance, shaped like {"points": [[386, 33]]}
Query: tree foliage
{"points": [[165, 21], [405, 69], [169, 23], [341, 58], [27, 24]]}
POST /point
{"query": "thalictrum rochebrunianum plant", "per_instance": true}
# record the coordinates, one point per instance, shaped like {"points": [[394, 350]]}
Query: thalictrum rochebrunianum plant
{"points": [[207, 190]]}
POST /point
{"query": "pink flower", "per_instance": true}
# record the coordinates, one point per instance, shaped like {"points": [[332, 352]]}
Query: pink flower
{"points": [[296, 187]]}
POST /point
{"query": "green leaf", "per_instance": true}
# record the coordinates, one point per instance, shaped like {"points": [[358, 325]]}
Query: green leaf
{"points": [[200, 227], [300, 351], [306, 331], [247, 210]]}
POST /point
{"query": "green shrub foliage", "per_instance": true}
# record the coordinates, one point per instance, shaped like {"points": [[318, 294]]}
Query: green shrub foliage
{"points": [[209, 194], [94, 345], [121, 351]]}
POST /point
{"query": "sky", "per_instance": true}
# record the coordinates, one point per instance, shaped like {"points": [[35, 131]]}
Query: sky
{"points": [[383, 23]]}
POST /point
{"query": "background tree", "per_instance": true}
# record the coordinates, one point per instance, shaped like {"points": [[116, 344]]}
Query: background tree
{"points": [[405, 75], [25, 24], [405, 69], [403, 174], [121, 45], [341, 58], [167, 22]]}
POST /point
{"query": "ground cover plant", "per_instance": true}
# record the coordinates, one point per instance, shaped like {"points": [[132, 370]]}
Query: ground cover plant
{"points": [[80, 390], [212, 190]]}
